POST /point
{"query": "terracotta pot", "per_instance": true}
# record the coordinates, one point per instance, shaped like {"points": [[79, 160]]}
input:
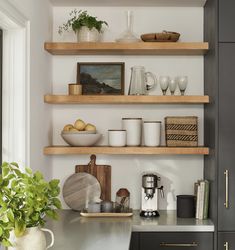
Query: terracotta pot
{"points": [[33, 239]]}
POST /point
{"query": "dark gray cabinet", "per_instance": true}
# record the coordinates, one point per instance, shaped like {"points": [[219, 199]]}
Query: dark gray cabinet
{"points": [[226, 241], [134, 244], [226, 20], [219, 72], [226, 221], [175, 241]]}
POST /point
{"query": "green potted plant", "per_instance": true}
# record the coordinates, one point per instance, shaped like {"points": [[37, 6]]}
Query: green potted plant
{"points": [[25, 200], [88, 28]]}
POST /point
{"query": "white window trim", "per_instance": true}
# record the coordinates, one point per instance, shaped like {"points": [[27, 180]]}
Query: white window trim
{"points": [[16, 26]]}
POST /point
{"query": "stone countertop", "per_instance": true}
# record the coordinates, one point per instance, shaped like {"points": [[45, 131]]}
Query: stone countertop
{"points": [[168, 222], [73, 232]]}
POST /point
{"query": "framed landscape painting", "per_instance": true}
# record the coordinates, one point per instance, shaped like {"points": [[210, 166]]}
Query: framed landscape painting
{"points": [[101, 78]]}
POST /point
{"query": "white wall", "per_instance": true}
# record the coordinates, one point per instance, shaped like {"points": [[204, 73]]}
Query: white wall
{"points": [[178, 172], [39, 13]]}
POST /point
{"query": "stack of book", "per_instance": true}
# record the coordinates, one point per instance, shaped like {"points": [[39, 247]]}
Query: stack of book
{"points": [[202, 194]]}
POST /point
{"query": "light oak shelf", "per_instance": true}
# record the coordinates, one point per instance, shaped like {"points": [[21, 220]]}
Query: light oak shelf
{"points": [[66, 150], [124, 99], [122, 3], [140, 48]]}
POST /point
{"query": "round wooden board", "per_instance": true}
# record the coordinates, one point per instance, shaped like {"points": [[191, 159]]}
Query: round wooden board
{"points": [[80, 189]]}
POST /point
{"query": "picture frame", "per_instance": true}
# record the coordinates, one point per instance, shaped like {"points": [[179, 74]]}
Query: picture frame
{"points": [[101, 78]]}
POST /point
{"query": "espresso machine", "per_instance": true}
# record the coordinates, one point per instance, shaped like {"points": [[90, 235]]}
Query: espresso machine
{"points": [[149, 195]]}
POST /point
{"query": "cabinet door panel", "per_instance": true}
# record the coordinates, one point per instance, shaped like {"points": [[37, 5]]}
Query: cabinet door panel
{"points": [[176, 241], [226, 136], [226, 240], [226, 20], [134, 244]]}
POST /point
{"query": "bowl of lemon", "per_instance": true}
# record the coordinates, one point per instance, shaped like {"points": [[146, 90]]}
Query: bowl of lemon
{"points": [[80, 134]]}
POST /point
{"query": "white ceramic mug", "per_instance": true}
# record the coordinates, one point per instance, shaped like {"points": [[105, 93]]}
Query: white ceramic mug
{"points": [[152, 133], [117, 138], [133, 128]]}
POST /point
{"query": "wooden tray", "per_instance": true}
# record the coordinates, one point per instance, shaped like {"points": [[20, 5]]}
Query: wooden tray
{"points": [[84, 213]]}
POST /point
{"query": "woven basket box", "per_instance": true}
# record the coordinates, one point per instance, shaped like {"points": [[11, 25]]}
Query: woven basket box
{"points": [[181, 131]]}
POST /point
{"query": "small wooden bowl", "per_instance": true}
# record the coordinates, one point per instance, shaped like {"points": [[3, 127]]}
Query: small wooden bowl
{"points": [[165, 36]]}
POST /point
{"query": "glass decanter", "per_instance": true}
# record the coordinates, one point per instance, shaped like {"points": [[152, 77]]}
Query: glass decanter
{"points": [[128, 36]]}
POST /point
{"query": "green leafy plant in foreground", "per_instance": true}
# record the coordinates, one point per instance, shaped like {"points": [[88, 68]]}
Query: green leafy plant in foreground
{"points": [[78, 19], [25, 200]]}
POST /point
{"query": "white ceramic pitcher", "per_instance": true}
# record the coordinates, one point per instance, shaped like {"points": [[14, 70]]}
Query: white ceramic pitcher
{"points": [[33, 239]]}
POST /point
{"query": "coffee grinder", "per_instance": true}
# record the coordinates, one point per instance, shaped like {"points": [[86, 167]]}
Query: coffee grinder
{"points": [[149, 199]]}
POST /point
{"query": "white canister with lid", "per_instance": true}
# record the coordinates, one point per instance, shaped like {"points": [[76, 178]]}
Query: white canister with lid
{"points": [[133, 128], [117, 138], [152, 133]]}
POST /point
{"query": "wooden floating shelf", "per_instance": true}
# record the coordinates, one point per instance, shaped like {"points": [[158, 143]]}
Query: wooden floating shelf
{"points": [[137, 3], [124, 99], [66, 150], [140, 48]]}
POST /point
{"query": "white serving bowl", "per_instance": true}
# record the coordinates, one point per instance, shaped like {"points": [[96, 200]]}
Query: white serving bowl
{"points": [[80, 140], [78, 132]]}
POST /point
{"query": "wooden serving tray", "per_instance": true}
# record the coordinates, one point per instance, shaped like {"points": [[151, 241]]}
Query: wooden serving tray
{"points": [[84, 213]]}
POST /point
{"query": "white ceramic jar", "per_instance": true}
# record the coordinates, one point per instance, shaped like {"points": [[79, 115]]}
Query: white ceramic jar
{"points": [[133, 128], [117, 138], [152, 133]]}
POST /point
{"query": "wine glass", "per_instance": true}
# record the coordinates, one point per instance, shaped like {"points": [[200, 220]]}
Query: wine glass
{"points": [[182, 82], [172, 85], [164, 83]]}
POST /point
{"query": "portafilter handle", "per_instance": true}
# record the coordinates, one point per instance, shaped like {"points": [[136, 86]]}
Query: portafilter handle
{"points": [[161, 191]]}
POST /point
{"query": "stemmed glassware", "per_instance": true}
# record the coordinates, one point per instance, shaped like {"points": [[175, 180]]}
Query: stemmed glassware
{"points": [[182, 83], [164, 83], [172, 85]]}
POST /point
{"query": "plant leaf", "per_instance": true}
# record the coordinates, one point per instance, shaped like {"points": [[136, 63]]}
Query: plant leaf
{"points": [[17, 172], [4, 164], [54, 183], [10, 176], [10, 215], [5, 171], [38, 176], [20, 227], [57, 203], [28, 170], [6, 243], [4, 218], [14, 184], [52, 214], [15, 164]]}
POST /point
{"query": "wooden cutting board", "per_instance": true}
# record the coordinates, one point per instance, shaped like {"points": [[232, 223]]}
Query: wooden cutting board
{"points": [[80, 189], [102, 173]]}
